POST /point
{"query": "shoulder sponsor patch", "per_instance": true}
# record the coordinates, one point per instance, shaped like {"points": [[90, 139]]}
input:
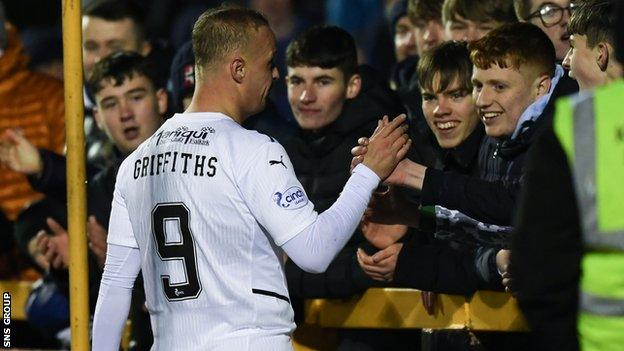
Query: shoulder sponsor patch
{"points": [[291, 199]]}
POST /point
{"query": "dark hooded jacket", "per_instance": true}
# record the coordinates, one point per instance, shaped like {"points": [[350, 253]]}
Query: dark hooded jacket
{"points": [[321, 161]]}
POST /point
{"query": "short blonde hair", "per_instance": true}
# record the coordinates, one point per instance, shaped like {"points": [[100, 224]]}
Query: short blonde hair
{"points": [[223, 30]]}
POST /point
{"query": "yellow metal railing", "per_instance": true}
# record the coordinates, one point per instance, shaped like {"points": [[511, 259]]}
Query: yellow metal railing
{"points": [[394, 308], [389, 308]]}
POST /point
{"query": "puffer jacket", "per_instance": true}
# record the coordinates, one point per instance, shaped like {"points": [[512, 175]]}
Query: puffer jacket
{"points": [[34, 104], [321, 161]]}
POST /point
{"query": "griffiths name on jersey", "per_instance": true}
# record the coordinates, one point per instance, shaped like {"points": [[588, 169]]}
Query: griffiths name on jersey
{"points": [[175, 162]]}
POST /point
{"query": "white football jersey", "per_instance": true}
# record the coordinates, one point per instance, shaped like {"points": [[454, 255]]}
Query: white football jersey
{"points": [[209, 203]]}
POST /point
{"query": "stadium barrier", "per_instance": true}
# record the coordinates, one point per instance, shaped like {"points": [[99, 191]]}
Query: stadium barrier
{"points": [[394, 308], [377, 308]]}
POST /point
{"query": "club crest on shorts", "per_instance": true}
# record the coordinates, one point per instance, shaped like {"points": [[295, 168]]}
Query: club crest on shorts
{"points": [[291, 199]]}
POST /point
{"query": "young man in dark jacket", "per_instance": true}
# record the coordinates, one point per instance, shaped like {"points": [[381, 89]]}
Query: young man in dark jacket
{"points": [[445, 76], [334, 103]]}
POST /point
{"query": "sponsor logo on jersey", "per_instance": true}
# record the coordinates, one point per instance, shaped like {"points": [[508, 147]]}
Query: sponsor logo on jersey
{"points": [[291, 199], [184, 135]]}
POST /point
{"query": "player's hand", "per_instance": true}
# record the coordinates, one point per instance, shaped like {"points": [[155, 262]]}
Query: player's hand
{"points": [[18, 154], [503, 261], [382, 235], [387, 147], [97, 240], [381, 265]]}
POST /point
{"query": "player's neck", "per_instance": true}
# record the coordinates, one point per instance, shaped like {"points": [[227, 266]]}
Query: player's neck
{"points": [[207, 101]]}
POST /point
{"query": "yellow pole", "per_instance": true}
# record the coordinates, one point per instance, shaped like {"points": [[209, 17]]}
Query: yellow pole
{"points": [[76, 194]]}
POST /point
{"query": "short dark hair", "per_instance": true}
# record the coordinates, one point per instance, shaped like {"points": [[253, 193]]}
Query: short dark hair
{"points": [[479, 10], [223, 30], [594, 19], [117, 10], [514, 45], [522, 8], [120, 66], [449, 60], [424, 10], [326, 47]]}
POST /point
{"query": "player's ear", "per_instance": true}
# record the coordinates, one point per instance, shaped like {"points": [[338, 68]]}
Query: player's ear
{"points": [[238, 69]]}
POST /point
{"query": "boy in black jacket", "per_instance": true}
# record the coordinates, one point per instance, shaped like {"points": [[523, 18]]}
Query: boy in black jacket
{"points": [[334, 102]]}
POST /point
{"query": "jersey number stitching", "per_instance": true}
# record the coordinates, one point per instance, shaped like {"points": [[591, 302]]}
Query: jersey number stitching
{"points": [[183, 250]]}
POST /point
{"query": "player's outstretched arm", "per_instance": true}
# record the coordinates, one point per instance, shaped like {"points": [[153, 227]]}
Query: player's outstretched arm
{"points": [[120, 271], [315, 247]]}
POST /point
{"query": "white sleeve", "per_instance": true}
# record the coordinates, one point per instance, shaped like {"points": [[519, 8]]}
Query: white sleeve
{"points": [[315, 247], [120, 228], [122, 267], [273, 193]]}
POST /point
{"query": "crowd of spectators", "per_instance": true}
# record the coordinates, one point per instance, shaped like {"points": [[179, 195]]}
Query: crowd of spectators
{"points": [[477, 79]]}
